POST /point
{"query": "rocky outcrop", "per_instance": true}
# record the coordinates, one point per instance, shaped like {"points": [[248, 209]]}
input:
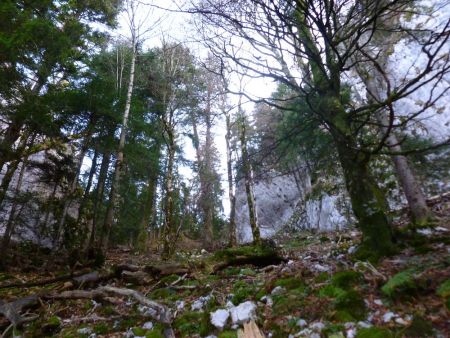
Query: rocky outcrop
{"points": [[288, 201]]}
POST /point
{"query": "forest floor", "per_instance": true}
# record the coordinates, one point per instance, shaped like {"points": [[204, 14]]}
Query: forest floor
{"points": [[317, 289]]}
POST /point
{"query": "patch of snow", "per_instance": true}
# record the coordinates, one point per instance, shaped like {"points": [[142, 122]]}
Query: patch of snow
{"points": [[243, 312], [219, 318]]}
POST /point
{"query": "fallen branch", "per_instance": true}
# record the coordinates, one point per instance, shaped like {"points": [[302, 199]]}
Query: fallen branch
{"points": [[11, 310], [45, 281]]}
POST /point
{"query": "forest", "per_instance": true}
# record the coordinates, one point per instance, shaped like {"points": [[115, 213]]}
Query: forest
{"points": [[225, 168]]}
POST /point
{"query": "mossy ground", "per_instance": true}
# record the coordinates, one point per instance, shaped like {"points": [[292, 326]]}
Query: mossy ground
{"points": [[414, 285]]}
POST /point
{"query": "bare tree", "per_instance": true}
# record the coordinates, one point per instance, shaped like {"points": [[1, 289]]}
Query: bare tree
{"points": [[310, 46]]}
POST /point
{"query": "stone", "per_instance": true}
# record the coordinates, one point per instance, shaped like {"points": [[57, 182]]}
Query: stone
{"points": [[219, 318], [147, 326], [243, 312], [301, 322], [278, 290], [388, 316]]}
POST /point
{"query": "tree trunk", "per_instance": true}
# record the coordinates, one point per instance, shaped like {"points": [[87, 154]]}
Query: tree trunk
{"points": [[168, 225], [231, 196], [88, 187], [99, 195], [368, 203], [115, 185], [9, 230], [149, 205], [249, 184]]}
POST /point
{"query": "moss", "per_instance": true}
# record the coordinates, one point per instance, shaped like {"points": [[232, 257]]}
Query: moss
{"points": [[286, 304], [258, 255], [101, 328], [290, 283], [333, 329], [401, 283], [330, 291], [352, 303], [243, 291], [139, 331], [322, 277], [231, 271], [444, 289], [154, 334], [193, 322], [420, 327], [169, 279], [227, 334], [247, 272], [374, 332], [163, 293], [346, 279]]}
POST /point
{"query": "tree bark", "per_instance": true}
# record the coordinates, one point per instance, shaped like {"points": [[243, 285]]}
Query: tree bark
{"points": [[249, 183], [99, 195], [115, 185], [88, 186], [168, 225], [9, 230], [231, 196]]}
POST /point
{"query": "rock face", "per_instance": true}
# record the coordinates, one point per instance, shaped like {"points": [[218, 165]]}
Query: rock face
{"points": [[286, 201]]}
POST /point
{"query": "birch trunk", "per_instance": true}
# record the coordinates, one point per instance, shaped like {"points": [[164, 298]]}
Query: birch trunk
{"points": [[115, 185]]}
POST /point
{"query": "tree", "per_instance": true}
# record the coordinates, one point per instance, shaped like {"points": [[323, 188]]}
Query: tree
{"points": [[309, 46], [138, 29]]}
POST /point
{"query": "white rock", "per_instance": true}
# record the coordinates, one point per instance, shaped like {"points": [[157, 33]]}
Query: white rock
{"points": [[378, 302], [219, 318], [364, 325], [351, 333], [229, 305], [301, 322], [84, 330], [180, 304], [425, 232], [352, 249], [442, 229], [321, 268], [267, 300], [200, 303], [290, 262], [388, 316], [243, 312], [211, 336], [147, 326], [147, 311], [318, 326], [278, 290], [304, 333], [203, 252], [401, 321], [349, 325]]}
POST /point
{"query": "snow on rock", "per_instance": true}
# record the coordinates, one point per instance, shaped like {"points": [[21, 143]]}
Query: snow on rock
{"points": [[243, 312], [219, 318]]}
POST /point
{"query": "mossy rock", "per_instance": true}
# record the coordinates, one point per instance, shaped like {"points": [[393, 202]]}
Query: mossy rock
{"points": [[101, 328], [351, 303], [346, 279], [374, 332], [258, 255], [420, 327], [247, 272], [400, 284]]}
